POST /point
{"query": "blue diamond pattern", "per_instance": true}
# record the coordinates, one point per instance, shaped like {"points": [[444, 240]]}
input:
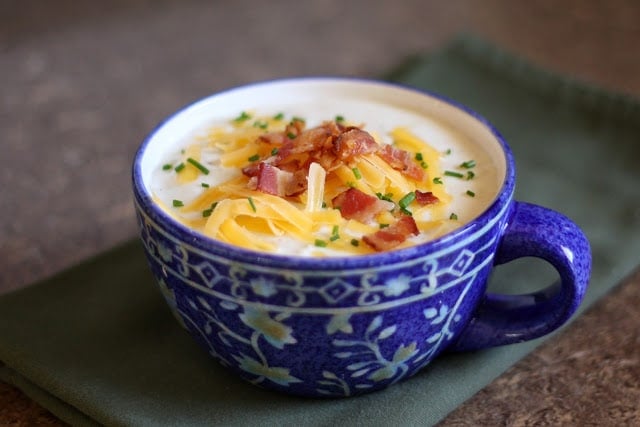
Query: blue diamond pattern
{"points": [[209, 273], [462, 262], [336, 290]]}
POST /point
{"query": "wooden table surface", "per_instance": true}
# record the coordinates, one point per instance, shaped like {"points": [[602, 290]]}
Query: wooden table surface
{"points": [[83, 82]]}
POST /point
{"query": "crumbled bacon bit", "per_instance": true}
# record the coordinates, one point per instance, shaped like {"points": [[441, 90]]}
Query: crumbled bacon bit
{"points": [[274, 138], [297, 184], [273, 180], [308, 146], [354, 204], [426, 198], [354, 142], [401, 161], [330, 145], [392, 236], [294, 128]]}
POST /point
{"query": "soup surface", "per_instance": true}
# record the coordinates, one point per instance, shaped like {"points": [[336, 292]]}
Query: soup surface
{"points": [[320, 182]]}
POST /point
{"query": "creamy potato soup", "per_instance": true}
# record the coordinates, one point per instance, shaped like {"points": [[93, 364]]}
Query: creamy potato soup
{"points": [[321, 182]]}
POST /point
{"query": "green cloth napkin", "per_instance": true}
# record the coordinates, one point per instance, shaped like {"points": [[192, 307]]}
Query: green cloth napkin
{"points": [[96, 344]]}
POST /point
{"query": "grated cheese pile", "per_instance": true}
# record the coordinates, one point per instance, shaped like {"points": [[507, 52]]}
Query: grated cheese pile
{"points": [[236, 212]]}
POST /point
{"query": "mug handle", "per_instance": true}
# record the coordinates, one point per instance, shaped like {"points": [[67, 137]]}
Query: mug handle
{"points": [[532, 231]]}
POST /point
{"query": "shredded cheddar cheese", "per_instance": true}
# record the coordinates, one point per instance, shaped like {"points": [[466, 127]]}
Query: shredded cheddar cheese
{"points": [[244, 211]]}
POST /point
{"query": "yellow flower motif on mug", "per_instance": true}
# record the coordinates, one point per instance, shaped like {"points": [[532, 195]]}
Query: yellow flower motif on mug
{"points": [[276, 333], [277, 375], [397, 285], [402, 354], [263, 287], [339, 322]]}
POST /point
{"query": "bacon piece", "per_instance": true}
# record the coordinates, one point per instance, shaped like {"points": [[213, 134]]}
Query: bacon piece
{"points": [[401, 161], [297, 184], [354, 142], [426, 198], [272, 180], [329, 145], [354, 204], [274, 138], [311, 145], [392, 236], [294, 128], [252, 170]]}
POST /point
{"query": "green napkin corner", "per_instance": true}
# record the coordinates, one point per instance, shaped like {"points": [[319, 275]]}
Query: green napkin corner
{"points": [[97, 345]]}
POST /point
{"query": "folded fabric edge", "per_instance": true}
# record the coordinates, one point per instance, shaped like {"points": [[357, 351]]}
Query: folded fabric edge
{"points": [[574, 91], [52, 403]]}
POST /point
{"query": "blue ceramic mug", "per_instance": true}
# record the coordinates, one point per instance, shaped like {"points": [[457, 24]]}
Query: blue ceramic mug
{"points": [[342, 326]]}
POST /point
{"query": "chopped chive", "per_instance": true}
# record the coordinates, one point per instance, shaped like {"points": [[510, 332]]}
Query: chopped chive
{"points": [[179, 167], [177, 203], [387, 197], [207, 212], [244, 116], [355, 242], [470, 175], [274, 151], [297, 119], [335, 235], [253, 205], [324, 205], [384, 225], [339, 118], [356, 173], [167, 167], [419, 157], [320, 243], [204, 185], [198, 165], [437, 180], [453, 174], [424, 165], [407, 200], [291, 135], [453, 216], [259, 124], [254, 158], [471, 193], [448, 151], [469, 164], [278, 116]]}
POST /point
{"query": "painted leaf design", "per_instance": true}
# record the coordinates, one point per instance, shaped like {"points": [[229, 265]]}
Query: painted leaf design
{"points": [[430, 313], [228, 305], [360, 373], [387, 332], [358, 365], [433, 338], [375, 324], [404, 353], [383, 373], [329, 375], [344, 343], [343, 354]]}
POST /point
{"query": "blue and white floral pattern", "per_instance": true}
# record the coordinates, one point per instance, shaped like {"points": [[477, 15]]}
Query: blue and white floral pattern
{"points": [[314, 333]]}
